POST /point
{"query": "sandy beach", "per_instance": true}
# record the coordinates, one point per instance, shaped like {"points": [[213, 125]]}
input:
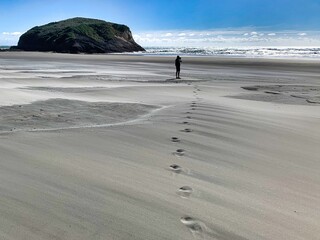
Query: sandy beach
{"points": [[114, 147]]}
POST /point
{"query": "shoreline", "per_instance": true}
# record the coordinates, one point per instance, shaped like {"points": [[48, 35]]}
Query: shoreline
{"points": [[135, 56], [274, 53]]}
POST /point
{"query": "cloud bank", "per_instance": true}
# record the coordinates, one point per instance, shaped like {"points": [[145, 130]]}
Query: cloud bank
{"points": [[9, 38], [228, 38]]}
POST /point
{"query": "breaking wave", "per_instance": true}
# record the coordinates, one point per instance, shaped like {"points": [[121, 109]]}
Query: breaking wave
{"points": [[236, 52]]}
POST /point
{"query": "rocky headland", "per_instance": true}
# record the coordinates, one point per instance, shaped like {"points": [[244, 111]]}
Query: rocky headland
{"points": [[79, 35]]}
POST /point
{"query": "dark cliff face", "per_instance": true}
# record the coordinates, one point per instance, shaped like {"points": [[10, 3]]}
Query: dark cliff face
{"points": [[79, 35]]}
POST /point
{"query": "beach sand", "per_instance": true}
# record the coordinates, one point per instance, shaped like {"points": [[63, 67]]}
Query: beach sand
{"points": [[113, 147]]}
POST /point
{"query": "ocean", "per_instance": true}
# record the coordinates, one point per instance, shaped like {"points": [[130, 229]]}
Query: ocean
{"points": [[261, 52], [253, 52]]}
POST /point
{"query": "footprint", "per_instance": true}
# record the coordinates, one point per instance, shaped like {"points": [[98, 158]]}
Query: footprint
{"points": [[193, 109], [191, 223], [189, 117], [175, 139], [187, 112], [196, 227], [175, 168], [179, 152], [187, 130], [185, 191], [185, 122]]}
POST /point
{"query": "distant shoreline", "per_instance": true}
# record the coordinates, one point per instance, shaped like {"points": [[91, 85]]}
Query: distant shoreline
{"points": [[5, 47], [312, 53]]}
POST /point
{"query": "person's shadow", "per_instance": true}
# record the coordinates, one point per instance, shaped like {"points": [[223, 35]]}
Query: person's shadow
{"points": [[172, 80]]}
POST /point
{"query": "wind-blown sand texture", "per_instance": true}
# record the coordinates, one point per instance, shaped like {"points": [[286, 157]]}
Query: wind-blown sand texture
{"points": [[113, 147]]}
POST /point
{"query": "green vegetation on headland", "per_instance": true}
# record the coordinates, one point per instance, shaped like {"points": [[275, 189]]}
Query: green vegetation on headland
{"points": [[79, 35]]}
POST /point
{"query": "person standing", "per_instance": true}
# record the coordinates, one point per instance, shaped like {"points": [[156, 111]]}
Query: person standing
{"points": [[178, 63]]}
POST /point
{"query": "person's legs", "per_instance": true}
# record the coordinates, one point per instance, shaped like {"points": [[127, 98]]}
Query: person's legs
{"points": [[178, 72]]}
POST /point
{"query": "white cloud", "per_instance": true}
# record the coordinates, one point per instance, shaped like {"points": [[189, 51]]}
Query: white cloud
{"points": [[12, 33], [302, 34], [272, 34], [182, 34], [168, 35]]}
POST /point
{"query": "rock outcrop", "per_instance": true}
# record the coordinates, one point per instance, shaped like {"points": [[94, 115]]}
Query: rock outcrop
{"points": [[79, 35]]}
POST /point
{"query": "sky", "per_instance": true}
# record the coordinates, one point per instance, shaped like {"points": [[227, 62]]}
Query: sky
{"points": [[224, 23]]}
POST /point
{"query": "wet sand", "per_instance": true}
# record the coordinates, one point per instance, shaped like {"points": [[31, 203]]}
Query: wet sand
{"points": [[113, 147]]}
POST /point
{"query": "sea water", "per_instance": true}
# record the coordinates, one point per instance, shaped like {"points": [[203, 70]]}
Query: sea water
{"points": [[263, 52], [4, 47], [273, 52]]}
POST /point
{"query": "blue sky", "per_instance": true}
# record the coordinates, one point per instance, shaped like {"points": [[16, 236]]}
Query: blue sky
{"points": [[154, 20]]}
